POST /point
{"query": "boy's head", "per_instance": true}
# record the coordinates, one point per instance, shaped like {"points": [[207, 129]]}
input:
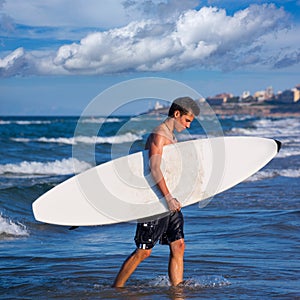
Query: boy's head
{"points": [[185, 105]]}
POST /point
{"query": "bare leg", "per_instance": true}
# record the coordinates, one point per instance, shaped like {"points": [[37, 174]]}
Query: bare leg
{"points": [[130, 265], [176, 262]]}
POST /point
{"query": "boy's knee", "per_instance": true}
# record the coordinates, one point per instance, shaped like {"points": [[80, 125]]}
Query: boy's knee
{"points": [[143, 253], [181, 246], [178, 247]]}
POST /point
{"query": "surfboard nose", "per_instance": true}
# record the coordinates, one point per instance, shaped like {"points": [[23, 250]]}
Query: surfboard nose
{"points": [[278, 145]]}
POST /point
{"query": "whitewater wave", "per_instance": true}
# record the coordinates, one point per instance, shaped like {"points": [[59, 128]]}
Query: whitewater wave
{"points": [[286, 131], [271, 128], [118, 139], [100, 120], [2, 122], [195, 282], [8, 228], [261, 175], [288, 152], [33, 168]]}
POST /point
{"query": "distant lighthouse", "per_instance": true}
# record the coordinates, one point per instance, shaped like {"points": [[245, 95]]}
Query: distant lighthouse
{"points": [[157, 106]]}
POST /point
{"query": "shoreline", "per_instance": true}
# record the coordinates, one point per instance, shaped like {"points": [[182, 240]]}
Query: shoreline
{"points": [[252, 109]]}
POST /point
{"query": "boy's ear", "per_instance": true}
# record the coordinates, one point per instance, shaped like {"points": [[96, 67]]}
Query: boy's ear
{"points": [[177, 114]]}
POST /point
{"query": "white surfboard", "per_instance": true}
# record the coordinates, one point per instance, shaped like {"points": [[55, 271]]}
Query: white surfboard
{"points": [[123, 190]]}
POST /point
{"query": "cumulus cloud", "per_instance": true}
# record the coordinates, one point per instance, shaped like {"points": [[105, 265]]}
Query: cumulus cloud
{"points": [[162, 9], [13, 64], [6, 22], [206, 38], [289, 59], [68, 13]]}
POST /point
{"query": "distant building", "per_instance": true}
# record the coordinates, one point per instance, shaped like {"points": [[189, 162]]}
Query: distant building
{"points": [[158, 106], [269, 93], [297, 93], [289, 96], [219, 99], [265, 95], [246, 97], [259, 96]]}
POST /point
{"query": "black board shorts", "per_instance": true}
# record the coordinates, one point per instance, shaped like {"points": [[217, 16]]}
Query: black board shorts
{"points": [[166, 230]]}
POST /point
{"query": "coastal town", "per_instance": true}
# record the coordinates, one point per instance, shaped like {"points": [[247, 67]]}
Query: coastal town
{"points": [[264, 102]]}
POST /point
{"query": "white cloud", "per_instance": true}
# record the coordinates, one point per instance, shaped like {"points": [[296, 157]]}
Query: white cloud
{"points": [[163, 9], [13, 63], [73, 13], [6, 22], [205, 38]]}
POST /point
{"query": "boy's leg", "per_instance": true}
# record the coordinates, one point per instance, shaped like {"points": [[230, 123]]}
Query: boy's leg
{"points": [[176, 262], [130, 265]]}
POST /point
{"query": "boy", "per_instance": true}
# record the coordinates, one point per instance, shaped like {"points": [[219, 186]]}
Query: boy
{"points": [[169, 229]]}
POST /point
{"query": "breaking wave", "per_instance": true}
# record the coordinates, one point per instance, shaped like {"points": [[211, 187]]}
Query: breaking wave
{"points": [[118, 139], [33, 168], [275, 128], [8, 228], [100, 120], [24, 122], [261, 175]]}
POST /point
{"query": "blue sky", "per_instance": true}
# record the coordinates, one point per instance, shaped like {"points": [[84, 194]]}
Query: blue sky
{"points": [[57, 55]]}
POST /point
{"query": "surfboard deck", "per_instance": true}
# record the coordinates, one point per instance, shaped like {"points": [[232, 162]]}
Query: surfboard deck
{"points": [[123, 190]]}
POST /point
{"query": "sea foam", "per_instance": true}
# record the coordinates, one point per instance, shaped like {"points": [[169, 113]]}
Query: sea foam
{"points": [[100, 120], [261, 175], [117, 139], [9, 228], [33, 168], [195, 282], [271, 128], [20, 122]]}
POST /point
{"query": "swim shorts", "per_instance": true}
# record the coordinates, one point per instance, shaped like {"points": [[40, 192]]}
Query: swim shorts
{"points": [[165, 230]]}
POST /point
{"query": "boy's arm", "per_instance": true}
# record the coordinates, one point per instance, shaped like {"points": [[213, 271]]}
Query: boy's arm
{"points": [[155, 156]]}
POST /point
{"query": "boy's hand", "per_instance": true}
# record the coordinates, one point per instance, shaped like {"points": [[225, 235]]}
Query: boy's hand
{"points": [[173, 204]]}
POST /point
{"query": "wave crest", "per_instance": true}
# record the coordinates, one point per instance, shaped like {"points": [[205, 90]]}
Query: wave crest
{"points": [[261, 175], [8, 228], [118, 139], [58, 167]]}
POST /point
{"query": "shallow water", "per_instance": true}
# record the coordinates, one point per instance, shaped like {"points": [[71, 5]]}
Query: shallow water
{"points": [[243, 245]]}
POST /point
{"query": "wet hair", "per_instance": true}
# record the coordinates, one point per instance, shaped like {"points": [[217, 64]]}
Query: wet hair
{"points": [[185, 105]]}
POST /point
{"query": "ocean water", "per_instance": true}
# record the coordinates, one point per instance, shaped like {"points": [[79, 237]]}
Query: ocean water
{"points": [[245, 244]]}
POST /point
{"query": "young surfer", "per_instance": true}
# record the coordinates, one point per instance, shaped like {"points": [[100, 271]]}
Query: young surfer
{"points": [[169, 229]]}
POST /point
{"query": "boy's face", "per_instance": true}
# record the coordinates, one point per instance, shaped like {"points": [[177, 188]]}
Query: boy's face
{"points": [[183, 122]]}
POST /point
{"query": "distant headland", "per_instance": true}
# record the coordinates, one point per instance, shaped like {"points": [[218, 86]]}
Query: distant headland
{"points": [[261, 103]]}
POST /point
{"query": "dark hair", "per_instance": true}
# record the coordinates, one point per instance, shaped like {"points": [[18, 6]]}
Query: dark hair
{"points": [[185, 105]]}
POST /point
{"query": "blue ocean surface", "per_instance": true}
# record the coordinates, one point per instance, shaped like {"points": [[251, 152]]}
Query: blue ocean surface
{"points": [[245, 244]]}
